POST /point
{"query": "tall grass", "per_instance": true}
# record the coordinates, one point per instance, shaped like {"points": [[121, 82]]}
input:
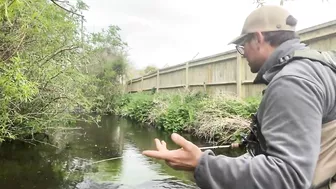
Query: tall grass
{"points": [[219, 118]]}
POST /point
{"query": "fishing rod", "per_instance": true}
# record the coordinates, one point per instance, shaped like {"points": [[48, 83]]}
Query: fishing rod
{"points": [[233, 145]]}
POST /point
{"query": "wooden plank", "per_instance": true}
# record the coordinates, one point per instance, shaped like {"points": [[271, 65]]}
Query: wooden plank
{"points": [[173, 86], [239, 73]]}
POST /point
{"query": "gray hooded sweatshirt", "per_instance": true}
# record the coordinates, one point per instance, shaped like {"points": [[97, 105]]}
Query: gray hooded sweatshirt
{"points": [[300, 97]]}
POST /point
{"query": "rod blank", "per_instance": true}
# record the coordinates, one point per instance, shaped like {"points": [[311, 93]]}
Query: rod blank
{"points": [[215, 147]]}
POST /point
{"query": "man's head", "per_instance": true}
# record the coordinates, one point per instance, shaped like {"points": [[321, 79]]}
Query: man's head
{"points": [[264, 29]]}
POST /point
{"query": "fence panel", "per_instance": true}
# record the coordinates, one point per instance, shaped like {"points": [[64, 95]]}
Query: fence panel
{"points": [[227, 72]]}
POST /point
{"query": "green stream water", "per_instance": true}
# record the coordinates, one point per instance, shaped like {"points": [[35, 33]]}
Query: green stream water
{"points": [[71, 164]]}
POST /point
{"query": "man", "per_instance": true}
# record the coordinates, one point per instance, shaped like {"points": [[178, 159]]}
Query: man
{"points": [[296, 117]]}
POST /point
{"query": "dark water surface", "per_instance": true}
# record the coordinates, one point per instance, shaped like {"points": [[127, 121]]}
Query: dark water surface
{"points": [[73, 163]]}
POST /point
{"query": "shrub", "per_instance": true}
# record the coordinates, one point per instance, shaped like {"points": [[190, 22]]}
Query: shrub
{"points": [[222, 118], [137, 106]]}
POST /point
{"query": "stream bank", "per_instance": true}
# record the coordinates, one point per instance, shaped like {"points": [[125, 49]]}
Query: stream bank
{"points": [[70, 163], [221, 119]]}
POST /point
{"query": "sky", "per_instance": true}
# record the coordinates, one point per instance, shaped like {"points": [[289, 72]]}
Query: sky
{"points": [[164, 33]]}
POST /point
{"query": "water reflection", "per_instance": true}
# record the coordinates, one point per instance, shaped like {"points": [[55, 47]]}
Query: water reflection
{"points": [[70, 165], [135, 169]]}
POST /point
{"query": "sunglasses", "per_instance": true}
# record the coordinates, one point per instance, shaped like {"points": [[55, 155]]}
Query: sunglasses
{"points": [[240, 49]]}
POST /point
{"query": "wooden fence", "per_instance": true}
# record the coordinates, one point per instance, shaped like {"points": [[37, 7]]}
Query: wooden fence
{"points": [[224, 73]]}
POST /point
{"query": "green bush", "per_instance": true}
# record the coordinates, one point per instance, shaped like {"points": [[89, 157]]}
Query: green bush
{"points": [[137, 106], [222, 117], [179, 113]]}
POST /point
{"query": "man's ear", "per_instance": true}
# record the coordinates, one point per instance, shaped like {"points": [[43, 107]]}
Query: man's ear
{"points": [[259, 37]]}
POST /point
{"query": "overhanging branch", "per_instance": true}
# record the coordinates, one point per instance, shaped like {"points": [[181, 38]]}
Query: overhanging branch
{"points": [[66, 9], [46, 59]]}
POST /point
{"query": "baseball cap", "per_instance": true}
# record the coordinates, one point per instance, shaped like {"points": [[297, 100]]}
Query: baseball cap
{"points": [[264, 19]]}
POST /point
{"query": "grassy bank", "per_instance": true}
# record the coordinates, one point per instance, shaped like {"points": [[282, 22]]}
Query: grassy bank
{"points": [[221, 118]]}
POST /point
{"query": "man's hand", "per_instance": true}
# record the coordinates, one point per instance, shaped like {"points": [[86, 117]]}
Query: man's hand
{"points": [[185, 158]]}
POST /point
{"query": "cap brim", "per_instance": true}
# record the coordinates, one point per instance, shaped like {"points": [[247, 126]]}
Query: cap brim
{"points": [[238, 40]]}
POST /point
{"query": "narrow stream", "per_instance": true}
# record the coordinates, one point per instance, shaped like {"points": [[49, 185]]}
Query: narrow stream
{"points": [[76, 160]]}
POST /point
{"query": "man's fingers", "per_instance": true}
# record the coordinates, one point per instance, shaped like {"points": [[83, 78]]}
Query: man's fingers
{"points": [[157, 154], [179, 140], [158, 144], [165, 154], [164, 145]]}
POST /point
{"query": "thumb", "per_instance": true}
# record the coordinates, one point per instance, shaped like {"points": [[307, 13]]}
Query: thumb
{"points": [[179, 140]]}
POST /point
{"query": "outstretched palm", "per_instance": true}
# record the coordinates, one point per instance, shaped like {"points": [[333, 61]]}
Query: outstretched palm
{"points": [[185, 158]]}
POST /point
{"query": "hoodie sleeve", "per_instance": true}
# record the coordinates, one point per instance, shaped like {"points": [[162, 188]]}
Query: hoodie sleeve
{"points": [[291, 117]]}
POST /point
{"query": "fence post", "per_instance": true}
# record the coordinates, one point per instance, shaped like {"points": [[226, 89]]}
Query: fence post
{"points": [[158, 80], [239, 75], [131, 87], [187, 76], [141, 83]]}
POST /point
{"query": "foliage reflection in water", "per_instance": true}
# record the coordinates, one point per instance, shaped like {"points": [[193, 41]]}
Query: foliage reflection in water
{"points": [[73, 164]]}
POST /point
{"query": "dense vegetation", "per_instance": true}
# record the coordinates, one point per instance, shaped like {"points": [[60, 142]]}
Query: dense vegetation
{"points": [[50, 68], [53, 72], [222, 118]]}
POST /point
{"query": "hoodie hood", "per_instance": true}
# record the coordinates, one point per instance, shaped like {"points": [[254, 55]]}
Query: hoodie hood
{"points": [[269, 68]]}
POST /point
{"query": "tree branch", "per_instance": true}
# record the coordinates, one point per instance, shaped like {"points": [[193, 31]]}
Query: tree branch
{"points": [[53, 100], [53, 77], [66, 9], [9, 4], [17, 48], [56, 53]]}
